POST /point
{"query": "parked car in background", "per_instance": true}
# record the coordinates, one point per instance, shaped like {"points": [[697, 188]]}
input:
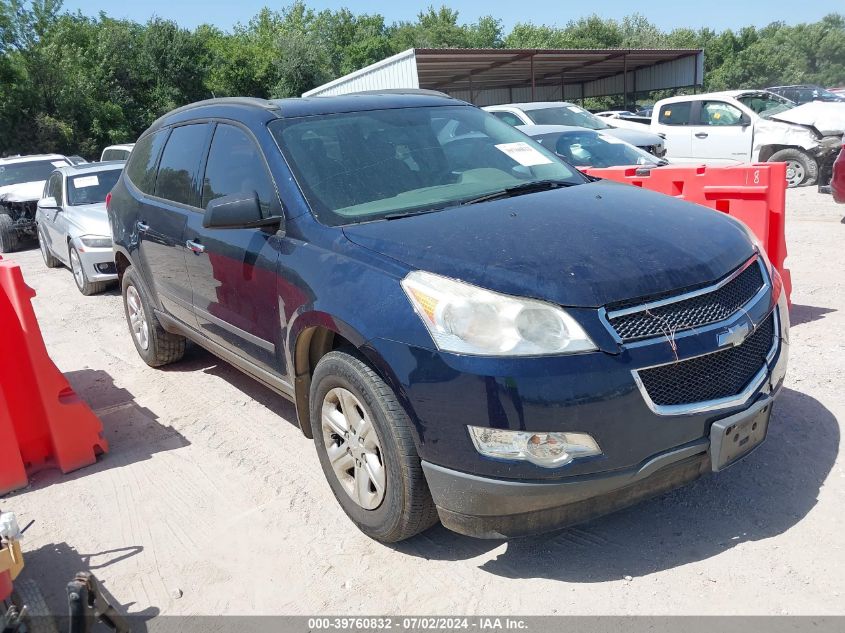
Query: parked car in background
{"points": [[117, 152], [22, 181], [614, 113], [806, 93], [73, 228], [740, 126], [645, 111], [76, 160], [469, 327], [562, 113], [589, 148]]}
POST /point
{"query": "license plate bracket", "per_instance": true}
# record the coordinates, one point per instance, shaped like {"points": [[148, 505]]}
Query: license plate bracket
{"points": [[734, 437]]}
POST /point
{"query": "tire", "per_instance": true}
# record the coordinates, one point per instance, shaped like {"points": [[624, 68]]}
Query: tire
{"points": [[799, 162], [50, 261], [406, 507], [85, 286], [8, 235], [157, 347]]}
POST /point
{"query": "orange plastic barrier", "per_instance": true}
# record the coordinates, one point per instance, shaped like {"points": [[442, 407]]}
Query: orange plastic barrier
{"points": [[43, 423], [755, 194]]}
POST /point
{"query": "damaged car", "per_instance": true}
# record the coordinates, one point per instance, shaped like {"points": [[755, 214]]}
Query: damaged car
{"points": [[740, 126], [22, 181]]}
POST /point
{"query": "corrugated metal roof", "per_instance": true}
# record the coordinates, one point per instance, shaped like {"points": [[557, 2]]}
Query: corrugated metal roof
{"points": [[487, 71]]}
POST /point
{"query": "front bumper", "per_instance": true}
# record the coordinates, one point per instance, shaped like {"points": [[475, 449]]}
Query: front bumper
{"points": [[98, 263]]}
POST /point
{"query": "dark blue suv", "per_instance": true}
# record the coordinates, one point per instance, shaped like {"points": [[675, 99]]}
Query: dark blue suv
{"points": [[471, 329]]}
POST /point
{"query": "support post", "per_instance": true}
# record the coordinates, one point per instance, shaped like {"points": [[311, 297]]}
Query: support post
{"points": [[624, 82], [532, 78]]}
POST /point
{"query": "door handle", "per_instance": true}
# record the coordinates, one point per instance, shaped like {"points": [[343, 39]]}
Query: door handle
{"points": [[195, 247], [701, 135], [143, 226]]}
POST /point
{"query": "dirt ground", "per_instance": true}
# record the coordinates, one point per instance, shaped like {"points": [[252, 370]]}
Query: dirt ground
{"points": [[212, 502]]}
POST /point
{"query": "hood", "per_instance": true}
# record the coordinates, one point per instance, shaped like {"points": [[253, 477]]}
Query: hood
{"points": [[23, 191], [90, 219], [827, 118], [634, 137], [587, 246]]}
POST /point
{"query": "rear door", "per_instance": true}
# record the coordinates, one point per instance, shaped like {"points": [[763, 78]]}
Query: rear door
{"points": [[718, 136], [233, 271], [673, 124], [162, 219]]}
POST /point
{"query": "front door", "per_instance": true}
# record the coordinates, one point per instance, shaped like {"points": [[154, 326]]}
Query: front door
{"points": [[233, 271], [718, 135], [163, 217], [673, 124]]}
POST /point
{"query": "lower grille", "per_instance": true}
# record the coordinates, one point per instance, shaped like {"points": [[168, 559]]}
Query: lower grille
{"points": [[712, 376]]}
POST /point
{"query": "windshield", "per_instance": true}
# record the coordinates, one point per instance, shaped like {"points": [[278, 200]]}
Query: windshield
{"points": [[593, 149], [29, 171], [363, 166], [91, 188], [766, 104], [570, 115]]}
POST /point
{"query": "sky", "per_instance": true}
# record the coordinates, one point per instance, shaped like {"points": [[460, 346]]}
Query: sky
{"points": [[666, 14]]}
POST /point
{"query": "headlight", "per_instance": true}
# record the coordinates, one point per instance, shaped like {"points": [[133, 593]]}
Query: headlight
{"points": [[94, 241], [549, 450], [469, 320]]}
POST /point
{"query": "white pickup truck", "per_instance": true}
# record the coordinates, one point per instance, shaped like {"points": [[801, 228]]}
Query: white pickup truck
{"points": [[739, 126]]}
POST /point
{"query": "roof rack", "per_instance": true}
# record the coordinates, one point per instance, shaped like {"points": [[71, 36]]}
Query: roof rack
{"points": [[403, 91], [254, 102]]}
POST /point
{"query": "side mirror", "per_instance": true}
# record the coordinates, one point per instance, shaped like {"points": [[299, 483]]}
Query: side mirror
{"points": [[744, 120], [48, 203], [237, 211]]}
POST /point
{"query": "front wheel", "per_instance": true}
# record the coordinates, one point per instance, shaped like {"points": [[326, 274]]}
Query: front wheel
{"points": [[801, 169], [8, 234], [85, 286], [363, 440]]}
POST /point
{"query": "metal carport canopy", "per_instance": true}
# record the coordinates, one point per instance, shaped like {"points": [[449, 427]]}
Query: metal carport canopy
{"points": [[497, 75]]}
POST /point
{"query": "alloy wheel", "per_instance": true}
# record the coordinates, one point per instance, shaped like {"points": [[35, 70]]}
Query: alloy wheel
{"points": [[137, 317], [76, 269], [353, 448]]}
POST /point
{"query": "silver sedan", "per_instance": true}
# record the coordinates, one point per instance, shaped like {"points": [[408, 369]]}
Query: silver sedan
{"points": [[73, 228]]}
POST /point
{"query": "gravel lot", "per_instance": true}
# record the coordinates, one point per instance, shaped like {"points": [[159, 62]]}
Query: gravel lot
{"points": [[212, 502]]}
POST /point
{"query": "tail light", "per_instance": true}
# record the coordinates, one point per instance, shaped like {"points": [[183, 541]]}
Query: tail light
{"points": [[108, 200]]}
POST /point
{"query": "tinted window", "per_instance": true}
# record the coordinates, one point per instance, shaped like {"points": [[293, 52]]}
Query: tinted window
{"points": [[141, 169], [675, 113], [115, 154], [177, 172], [91, 188], [567, 115], [508, 117], [235, 165], [719, 113]]}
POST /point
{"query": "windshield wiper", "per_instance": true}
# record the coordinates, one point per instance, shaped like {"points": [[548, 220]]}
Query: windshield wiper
{"points": [[519, 190], [405, 214]]}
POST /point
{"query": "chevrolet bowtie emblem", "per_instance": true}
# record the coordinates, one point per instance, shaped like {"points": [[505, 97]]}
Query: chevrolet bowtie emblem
{"points": [[733, 336]]}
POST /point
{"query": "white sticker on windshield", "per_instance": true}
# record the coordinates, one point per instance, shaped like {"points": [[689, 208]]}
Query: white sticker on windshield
{"points": [[523, 153], [86, 181], [59, 163]]}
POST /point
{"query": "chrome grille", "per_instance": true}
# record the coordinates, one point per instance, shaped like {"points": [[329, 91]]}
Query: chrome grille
{"points": [[664, 317], [713, 376]]}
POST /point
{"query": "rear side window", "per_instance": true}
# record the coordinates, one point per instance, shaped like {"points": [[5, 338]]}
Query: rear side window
{"points": [[235, 165], [180, 162], [141, 169], [675, 113]]}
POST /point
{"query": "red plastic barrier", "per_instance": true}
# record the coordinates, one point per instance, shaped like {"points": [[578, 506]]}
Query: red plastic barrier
{"points": [[5, 585], [755, 194], [43, 423]]}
